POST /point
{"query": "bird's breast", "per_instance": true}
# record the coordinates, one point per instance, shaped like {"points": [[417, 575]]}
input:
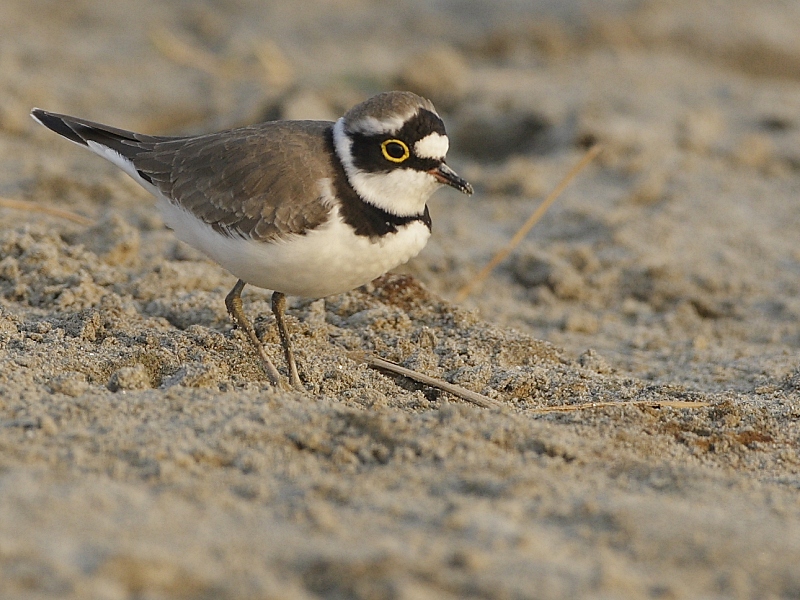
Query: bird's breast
{"points": [[327, 260]]}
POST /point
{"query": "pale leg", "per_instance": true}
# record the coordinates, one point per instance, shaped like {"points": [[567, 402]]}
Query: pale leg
{"points": [[233, 301], [279, 308]]}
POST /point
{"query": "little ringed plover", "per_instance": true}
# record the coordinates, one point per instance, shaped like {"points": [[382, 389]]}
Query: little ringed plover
{"points": [[306, 208]]}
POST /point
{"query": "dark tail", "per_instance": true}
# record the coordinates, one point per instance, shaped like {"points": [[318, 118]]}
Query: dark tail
{"points": [[81, 131], [61, 124]]}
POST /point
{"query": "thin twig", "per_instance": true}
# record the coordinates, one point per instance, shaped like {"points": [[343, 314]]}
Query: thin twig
{"points": [[501, 255], [26, 206], [591, 405], [486, 402], [451, 388]]}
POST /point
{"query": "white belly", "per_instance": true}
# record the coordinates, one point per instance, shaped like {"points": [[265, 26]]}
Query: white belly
{"points": [[328, 260]]}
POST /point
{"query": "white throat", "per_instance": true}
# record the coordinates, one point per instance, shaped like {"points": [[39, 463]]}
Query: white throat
{"points": [[401, 192]]}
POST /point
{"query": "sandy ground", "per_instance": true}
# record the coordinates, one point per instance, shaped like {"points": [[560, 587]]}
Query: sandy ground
{"points": [[142, 453]]}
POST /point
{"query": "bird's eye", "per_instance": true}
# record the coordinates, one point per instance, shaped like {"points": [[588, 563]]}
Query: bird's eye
{"points": [[394, 150]]}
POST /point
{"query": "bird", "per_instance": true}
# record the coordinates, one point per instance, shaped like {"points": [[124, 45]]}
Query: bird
{"points": [[302, 208]]}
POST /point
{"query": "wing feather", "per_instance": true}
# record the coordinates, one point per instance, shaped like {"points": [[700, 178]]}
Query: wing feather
{"points": [[259, 182]]}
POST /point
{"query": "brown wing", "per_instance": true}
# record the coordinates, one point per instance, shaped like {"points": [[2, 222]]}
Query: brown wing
{"points": [[260, 182]]}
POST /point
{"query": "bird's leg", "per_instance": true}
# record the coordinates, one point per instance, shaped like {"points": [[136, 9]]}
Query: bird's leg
{"points": [[278, 308], [233, 301]]}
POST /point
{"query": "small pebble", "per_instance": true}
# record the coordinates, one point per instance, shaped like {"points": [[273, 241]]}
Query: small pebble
{"points": [[129, 378]]}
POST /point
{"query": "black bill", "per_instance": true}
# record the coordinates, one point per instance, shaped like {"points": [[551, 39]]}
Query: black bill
{"points": [[449, 177]]}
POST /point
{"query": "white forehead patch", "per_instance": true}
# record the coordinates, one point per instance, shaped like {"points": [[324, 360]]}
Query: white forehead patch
{"points": [[433, 145], [373, 126]]}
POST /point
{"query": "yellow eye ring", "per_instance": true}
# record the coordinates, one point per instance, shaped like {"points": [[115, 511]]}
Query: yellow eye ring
{"points": [[387, 145]]}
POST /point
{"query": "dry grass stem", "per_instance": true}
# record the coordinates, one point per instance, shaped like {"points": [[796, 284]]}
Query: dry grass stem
{"points": [[26, 206], [502, 254], [593, 405], [458, 391]]}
